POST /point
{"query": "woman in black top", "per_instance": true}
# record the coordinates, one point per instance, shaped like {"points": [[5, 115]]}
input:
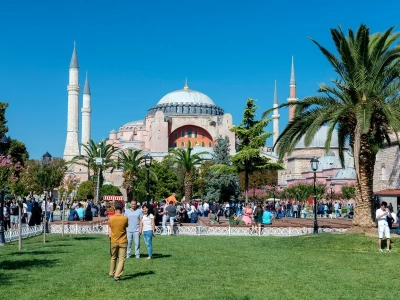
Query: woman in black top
{"points": [[36, 215]]}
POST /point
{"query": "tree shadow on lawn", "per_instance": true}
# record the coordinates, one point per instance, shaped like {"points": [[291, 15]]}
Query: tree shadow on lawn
{"points": [[131, 276], [37, 252], [156, 255], [28, 263], [84, 238]]}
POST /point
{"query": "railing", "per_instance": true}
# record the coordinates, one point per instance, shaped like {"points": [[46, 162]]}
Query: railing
{"points": [[12, 235], [198, 230]]}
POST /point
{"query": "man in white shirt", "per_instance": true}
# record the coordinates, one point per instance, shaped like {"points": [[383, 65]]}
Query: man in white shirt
{"points": [[383, 226]]}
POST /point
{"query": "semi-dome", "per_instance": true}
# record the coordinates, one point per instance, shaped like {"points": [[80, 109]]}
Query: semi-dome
{"points": [[320, 139], [186, 96], [348, 173]]}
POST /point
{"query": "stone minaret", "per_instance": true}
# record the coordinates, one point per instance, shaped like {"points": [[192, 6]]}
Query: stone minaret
{"points": [[86, 112], [292, 98], [275, 115], [71, 145]]}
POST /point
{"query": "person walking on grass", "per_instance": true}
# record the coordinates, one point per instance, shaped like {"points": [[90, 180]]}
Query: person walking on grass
{"points": [[383, 226], [147, 228], [134, 215], [117, 232]]}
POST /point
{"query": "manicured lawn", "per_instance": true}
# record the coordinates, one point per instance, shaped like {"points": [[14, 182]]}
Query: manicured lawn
{"points": [[324, 266]]}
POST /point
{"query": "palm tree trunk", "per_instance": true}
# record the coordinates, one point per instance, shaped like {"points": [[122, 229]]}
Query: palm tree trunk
{"points": [[364, 160], [188, 188]]}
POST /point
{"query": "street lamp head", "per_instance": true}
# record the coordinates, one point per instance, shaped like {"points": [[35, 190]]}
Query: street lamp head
{"points": [[331, 186], [147, 160], [46, 157], [314, 164]]}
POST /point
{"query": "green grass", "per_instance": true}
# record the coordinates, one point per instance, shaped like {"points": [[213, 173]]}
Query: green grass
{"points": [[323, 266]]}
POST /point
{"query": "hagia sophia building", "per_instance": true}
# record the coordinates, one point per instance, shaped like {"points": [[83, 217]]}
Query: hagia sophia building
{"points": [[187, 117]]}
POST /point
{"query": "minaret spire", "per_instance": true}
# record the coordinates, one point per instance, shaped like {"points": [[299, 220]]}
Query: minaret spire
{"points": [[74, 59], [71, 145], [186, 87], [86, 114], [292, 75], [292, 98], [275, 116], [86, 89]]}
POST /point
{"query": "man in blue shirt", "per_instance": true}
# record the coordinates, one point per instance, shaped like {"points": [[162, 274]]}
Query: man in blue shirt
{"points": [[267, 217], [134, 215], [80, 211]]}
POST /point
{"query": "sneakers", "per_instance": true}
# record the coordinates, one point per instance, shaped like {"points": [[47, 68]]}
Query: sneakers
{"points": [[116, 279], [388, 251], [380, 251]]}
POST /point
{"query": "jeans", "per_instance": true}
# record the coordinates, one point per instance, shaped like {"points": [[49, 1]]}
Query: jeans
{"points": [[133, 236], [193, 220], [117, 251], [148, 239], [288, 213], [206, 212], [164, 224]]}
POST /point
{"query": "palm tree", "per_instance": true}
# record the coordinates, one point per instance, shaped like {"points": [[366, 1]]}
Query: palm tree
{"points": [[130, 162], [188, 162], [88, 160], [362, 104]]}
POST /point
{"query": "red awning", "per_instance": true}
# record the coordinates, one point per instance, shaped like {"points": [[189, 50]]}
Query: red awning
{"points": [[117, 198]]}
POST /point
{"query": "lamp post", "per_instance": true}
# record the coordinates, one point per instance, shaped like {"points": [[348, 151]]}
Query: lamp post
{"points": [[331, 188], [274, 186], [46, 158], [314, 166], [147, 162], [99, 162], [4, 142]]}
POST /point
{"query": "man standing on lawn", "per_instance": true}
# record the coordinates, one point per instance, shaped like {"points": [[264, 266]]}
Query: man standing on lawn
{"points": [[383, 226], [134, 215], [118, 239]]}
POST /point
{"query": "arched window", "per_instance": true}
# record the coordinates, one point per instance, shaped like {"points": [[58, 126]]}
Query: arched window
{"points": [[175, 135], [209, 144], [203, 144], [182, 144]]}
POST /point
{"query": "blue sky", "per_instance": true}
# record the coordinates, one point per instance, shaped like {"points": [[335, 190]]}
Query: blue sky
{"points": [[138, 51]]}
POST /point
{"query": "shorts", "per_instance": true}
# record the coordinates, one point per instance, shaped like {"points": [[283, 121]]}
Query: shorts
{"points": [[171, 220], [14, 219], [383, 229]]}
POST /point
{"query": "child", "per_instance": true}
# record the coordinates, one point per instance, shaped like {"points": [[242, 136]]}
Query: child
{"points": [[147, 228]]}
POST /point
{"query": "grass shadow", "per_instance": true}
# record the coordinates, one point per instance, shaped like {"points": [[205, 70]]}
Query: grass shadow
{"points": [[156, 256], [84, 238], [24, 264], [37, 252], [131, 276]]}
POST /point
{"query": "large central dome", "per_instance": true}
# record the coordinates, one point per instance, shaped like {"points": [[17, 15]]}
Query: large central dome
{"points": [[186, 96]]}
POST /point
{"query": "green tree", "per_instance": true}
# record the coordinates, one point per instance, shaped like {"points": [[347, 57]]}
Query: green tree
{"points": [[163, 181], [110, 190], [88, 160], [130, 162], [188, 161], [362, 104], [252, 138], [221, 184], [348, 191], [85, 190], [18, 151], [3, 121]]}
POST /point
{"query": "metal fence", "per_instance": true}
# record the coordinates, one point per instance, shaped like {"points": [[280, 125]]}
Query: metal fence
{"points": [[26, 231]]}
